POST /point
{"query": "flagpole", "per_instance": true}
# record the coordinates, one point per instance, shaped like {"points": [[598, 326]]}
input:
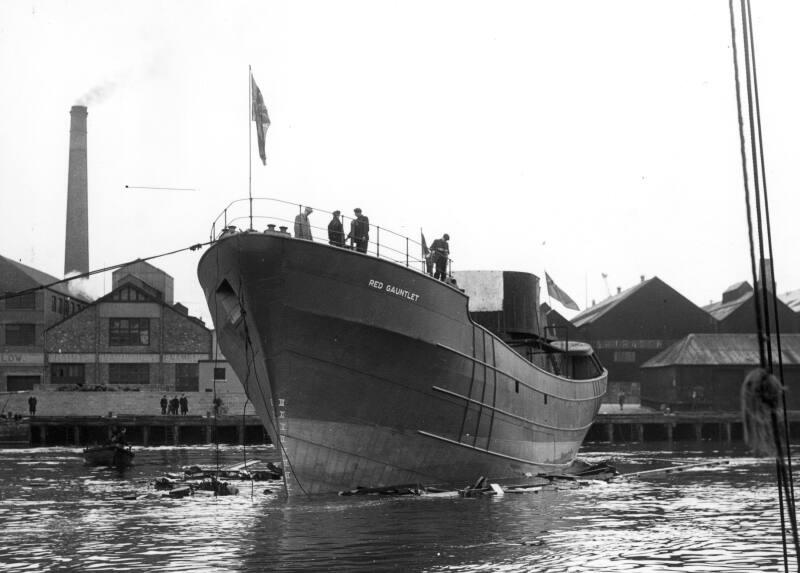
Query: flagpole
{"points": [[250, 140]]}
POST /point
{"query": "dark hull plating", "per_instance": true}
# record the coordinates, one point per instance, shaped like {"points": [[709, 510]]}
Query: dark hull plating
{"points": [[368, 373]]}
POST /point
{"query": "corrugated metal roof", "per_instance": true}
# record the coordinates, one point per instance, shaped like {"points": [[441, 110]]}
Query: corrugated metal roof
{"points": [[724, 349], [591, 314], [721, 310], [791, 299]]}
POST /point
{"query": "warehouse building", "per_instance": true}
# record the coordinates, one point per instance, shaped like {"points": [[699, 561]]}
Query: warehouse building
{"points": [[135, 337], [24, 319], [633, 326], [706, 371]]}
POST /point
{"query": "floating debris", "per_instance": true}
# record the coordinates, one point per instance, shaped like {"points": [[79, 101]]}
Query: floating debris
{"points": [[582, 475]]}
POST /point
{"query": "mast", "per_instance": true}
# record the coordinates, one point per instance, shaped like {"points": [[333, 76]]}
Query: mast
{"points": [[250, 141]]}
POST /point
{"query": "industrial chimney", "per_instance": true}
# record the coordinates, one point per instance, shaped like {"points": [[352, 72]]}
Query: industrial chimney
{"points": [[76, 252]]}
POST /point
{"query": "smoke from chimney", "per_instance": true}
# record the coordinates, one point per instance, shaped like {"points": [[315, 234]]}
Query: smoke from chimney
{"points": [[97, 94], [76, 251]]}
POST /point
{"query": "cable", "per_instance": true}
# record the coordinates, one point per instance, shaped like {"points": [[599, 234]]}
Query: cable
{"points": [[194, 247], [764, 402]]}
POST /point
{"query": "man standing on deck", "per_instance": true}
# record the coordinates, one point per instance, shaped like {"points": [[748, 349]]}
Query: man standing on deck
{"points": [[302, 227], [336, 231], [359, 231], [441, 254]]}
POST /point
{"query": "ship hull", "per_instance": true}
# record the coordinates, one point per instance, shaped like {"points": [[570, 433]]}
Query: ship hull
{"points": [[368, 373]]}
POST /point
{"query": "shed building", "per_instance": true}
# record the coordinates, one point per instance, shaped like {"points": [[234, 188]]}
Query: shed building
{"points": [[706, 371], [634, 325]]}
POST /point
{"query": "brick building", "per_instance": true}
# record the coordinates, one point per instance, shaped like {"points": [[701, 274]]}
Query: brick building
{"points": [[24, 319], [132, 338]]}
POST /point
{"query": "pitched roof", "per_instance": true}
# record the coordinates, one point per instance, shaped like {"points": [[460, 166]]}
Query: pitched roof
{"points": [[791, 299], [604, 306], [29, 277], [722, 310], [723, 349]]}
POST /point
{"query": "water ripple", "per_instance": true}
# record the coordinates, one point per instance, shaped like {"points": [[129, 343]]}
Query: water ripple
{"points": [[58, 515]]}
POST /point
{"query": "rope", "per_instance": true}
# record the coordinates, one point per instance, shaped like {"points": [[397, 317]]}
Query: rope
{"points": [[249, 345], [103, 270], [763, 398], [771, 278]]}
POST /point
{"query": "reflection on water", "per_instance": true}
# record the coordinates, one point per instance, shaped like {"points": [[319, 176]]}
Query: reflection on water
{"points": [[58, 515]]}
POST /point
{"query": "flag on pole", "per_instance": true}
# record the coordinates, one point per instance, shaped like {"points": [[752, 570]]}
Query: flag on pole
{"points": [[557, 293], [425, 250], [261, 117]]}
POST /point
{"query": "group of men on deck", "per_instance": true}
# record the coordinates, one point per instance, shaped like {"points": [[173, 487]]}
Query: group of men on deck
{"points": [[437, 257], [358, 235]]}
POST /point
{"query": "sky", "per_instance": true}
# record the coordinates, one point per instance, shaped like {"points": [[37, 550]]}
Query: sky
{"points": [[582, 138]]}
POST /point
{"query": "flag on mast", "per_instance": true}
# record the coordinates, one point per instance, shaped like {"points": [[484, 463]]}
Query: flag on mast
{"points": [[557, 293], [261, 117], [425, 250]]}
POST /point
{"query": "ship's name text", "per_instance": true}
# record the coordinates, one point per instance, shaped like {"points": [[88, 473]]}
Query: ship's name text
{"points": [[397, 291]]}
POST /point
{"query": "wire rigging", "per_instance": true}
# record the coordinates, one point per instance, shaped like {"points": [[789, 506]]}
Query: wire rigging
{"points": [[766, 426], [194, 247]]}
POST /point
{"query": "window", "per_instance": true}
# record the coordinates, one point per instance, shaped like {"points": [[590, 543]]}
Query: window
{"points": [[129, 294], [22, 301], [187, 377], [16, 383], [67, 374], [129, 332], [129, 374], [624, 356], [219, 374], [20, 335]]}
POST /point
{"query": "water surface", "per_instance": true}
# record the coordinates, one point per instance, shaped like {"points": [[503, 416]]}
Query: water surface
{"points": [[56, 514]]}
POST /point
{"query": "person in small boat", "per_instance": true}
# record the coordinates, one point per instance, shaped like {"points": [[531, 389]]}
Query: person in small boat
{"points": [[336, 231], [302, 226], [359, 231], [441, 254], [118, 436]]}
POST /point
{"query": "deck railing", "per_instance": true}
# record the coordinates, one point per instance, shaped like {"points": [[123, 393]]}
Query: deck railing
{"points": [[259, 213]]}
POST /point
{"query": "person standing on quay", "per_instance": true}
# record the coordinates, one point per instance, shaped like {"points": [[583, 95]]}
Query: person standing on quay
{"points": [[184, 405], [302, 226], [32, 405], [336, 231], [164, 403], [621, 400]]}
